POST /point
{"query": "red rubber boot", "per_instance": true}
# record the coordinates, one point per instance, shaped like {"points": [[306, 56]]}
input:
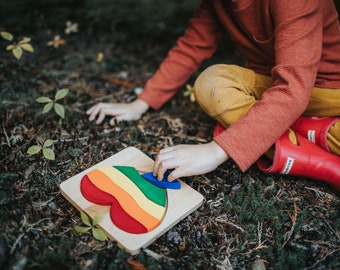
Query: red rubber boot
{"points": [[315, 129], [218, 129], [306, 159]]}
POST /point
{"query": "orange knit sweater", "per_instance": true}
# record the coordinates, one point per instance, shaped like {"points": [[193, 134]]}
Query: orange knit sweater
{"points": [[296, 42]]}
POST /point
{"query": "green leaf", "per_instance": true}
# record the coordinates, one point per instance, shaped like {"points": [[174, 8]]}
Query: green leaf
{"points": [[61, 93], [47, 107], [85, 219], [17, 52], [24, 40], [33, 150], [82, 229], [10, 47], [187, 93], [48, 143], [7, 36], [26, 47], [43, 100], [59, 109], [48, 153], [97, 219], [99, 234]]}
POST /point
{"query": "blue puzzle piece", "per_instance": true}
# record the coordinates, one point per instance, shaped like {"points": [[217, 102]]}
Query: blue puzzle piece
{"points": [[164, 183]]}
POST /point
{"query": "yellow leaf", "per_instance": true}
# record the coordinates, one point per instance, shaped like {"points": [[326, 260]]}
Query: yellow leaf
{"points": [[82, 229], [100, 57], [48, 143], [61, 93], [43, 100], [99, 234], [71, 27], [97, 219], [48, 153], [85, 219], [33, 150], [17, 52], [7, 36], [24, 40], [59, 109], [9, 47], [47, 107], [27, 47], [192, 97]]}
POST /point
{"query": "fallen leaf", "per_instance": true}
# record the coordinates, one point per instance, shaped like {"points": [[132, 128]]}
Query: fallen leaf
{"points": [[136, 265], [56, 42]]}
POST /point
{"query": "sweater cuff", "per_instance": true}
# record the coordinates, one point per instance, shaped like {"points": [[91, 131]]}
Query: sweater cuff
{"points": [[151, 101], [234, 152]]}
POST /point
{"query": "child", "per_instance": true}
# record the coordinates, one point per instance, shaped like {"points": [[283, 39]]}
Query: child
{"points": [[292, 50]]}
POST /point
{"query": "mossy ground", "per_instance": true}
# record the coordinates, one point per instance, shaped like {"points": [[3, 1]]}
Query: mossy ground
{"points": [[247, 219]]}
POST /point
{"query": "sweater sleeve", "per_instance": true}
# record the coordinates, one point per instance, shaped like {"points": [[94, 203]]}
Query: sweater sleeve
{"points": [[198, 43], [298, 42]]}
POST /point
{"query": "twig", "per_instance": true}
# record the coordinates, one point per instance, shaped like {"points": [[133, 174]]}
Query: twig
{"points": [[31, 226], [330, 227], [221, 220], [322, 259], [19, 237], [225, 265], [259, 232], [320, 193], [71, 140], [293, 219], [20, 148], [7, 139], [39, 205]]}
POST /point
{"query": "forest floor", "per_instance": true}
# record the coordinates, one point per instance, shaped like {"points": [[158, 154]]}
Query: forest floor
{"points": [[248, 220]]}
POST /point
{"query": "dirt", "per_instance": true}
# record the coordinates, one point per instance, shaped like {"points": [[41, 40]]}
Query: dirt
{"points": [[248, 220]]}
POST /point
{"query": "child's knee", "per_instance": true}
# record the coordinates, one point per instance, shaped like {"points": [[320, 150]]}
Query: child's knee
{"points": [[206, 81], [218, 88]]}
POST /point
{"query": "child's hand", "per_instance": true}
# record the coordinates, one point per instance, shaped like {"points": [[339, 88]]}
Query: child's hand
{"points": [[119, 111], [188, 160]]}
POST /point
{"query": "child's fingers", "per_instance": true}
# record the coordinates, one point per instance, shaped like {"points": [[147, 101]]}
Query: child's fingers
{"points": [[89, 111], [165, 160], [123, 116], [94, 111], [101, 116], [173, 175], [100, 108]]}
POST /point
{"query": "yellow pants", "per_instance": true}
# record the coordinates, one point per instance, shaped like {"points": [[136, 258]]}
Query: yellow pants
{"points": [[239, 88]]}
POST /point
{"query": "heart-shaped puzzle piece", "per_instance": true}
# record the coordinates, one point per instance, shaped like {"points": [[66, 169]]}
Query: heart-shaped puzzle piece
{"points": [[137, 206]]}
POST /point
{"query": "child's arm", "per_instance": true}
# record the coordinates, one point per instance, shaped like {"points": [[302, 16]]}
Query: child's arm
{"points": [[188, 160]]}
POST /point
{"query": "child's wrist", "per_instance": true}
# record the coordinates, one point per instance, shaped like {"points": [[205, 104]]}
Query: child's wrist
{"points": [[221, 155]]}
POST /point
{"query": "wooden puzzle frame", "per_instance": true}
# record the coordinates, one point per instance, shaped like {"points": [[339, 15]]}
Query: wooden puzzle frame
{"points": [[181, 202]]}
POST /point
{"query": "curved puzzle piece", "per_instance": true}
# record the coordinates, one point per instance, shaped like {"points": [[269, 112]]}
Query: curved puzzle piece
{"points": [[137, 206], [164, 183]]}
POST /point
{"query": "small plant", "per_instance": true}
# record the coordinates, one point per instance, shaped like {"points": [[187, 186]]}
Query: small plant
{"points": [[17, 48], [100, 57], [56, 42], [58, 108], [96, 232], [190, 92], [45, 148], [71, 27]]}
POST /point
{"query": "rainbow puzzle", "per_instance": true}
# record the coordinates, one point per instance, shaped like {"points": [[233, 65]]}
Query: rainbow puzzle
{"points": [[136, 208]]}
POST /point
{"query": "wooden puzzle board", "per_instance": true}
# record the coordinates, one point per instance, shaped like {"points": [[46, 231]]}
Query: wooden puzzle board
{"points": [[181, 202]]}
